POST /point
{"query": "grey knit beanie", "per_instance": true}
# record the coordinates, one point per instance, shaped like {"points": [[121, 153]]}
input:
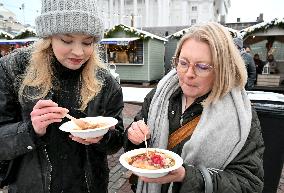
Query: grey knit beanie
{"points": [[238, 42], [69, 16]]}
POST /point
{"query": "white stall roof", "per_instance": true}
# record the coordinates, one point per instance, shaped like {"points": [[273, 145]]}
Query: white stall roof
{"points": [[118, 41], [17, 41]]}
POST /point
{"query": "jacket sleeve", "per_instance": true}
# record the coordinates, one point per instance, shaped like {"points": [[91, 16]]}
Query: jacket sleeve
{"points": [[244, 174], [15, 136], [142, 114], [112, 107]]}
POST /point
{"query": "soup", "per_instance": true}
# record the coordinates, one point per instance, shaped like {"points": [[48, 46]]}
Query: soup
{"points": [[153, 161]]}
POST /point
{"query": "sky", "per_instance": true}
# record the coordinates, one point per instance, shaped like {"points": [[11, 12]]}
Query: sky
{"points": [[246, 10], [249, 10], [31, 9]]}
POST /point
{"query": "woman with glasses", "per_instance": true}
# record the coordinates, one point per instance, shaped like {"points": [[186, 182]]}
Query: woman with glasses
{"points": [[201, 111]]}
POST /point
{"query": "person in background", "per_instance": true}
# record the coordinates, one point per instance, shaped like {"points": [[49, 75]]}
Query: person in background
{"points": [[188, 113], [249, 63], [258, 63], [247, 48], [272, 64], [250, 66], [60, 74], [2, 53]]}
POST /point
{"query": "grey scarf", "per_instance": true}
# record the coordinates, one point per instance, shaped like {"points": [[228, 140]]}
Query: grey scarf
{"points": [[219, 136]]}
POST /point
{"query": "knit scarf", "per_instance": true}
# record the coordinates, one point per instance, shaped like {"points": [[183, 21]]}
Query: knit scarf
{"points": [[217, 139]]}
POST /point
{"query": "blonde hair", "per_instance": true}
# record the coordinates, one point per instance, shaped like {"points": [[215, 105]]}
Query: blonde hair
{"points": [[39, 74], [229, 66]]}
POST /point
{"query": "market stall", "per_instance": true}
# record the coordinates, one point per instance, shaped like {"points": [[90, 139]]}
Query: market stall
{"points": [[267, 38], [134, 50], [9, 42]]}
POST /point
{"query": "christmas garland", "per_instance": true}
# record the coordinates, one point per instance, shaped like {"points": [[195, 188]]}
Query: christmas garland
{"points": [[25, 34], [5, 36], [263, 27], [180, 33], [132, 32]]}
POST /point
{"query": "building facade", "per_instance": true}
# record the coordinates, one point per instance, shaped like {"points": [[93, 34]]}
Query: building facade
{"points": [[8, 21], [153, 13]]}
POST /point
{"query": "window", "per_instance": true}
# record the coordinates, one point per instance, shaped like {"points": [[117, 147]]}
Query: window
{"points": [[193, 21], [131, 52], [194, 8]]}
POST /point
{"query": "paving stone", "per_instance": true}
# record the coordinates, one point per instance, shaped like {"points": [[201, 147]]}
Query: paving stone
{"points": [[116, 168], [119, 183], [116, 176]]}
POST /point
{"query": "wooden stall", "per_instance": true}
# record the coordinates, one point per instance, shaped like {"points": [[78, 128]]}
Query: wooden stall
{"points": [[267, 38], [137, 54]]}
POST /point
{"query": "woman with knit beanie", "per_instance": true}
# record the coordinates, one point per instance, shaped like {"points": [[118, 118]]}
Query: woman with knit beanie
{"points": [[200, 110], [60, 73]]}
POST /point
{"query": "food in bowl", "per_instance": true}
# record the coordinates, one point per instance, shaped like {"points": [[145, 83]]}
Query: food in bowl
{"points": [[164, 162], [100, 130], [152, 161], [92, 126]]}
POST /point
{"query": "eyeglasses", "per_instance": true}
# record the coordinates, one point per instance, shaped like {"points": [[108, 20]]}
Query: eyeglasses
{"points": [[200, 69]]}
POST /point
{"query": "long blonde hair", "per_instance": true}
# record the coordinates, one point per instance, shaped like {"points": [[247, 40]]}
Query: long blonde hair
{"points": [[228, 64], [39, 74]]}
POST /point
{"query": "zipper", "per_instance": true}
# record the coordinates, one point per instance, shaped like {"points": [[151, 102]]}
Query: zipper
{"points": [[86, 178], [181, 120], [49, 163]]}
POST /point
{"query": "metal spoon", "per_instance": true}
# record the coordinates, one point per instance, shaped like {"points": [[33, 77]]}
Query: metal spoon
{"points": [[147, 152], [79, 122], [145, 140]]}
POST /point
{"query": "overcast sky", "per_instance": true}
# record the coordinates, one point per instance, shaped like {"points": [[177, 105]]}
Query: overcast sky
{"points": [[247, 10]]}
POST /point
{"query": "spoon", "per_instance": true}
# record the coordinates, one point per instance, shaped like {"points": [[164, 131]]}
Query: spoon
{"points": [[79, 122], [146, 147], [145, 140]]}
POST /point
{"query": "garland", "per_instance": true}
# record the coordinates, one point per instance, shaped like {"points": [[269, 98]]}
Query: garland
{"points": [[25, 34], [180, 33], [132, 32], [263, 27], [5, 36]]}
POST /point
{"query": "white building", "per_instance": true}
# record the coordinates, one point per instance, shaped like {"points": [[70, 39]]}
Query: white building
{"points": [[153, 13], [8, 21]]}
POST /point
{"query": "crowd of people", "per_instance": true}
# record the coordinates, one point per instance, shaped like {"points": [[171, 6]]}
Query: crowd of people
{"points": [[62, 73]]}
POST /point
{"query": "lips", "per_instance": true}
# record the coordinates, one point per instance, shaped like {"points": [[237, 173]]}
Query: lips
{"points": [[191, 85], [75, 60]]}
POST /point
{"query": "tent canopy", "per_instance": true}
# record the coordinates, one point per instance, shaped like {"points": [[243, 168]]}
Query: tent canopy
{"points": [[17, 41], [277, 33], [118, 41]]}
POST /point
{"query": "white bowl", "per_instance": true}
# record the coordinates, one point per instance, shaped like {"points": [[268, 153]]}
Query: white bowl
{"points": [[146, 172], [70, 127]]}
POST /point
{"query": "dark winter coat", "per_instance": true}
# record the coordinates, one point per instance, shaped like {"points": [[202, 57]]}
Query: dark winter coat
{"points": [[251, 69], [244, 174], [46, 164], [259, 64]]}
